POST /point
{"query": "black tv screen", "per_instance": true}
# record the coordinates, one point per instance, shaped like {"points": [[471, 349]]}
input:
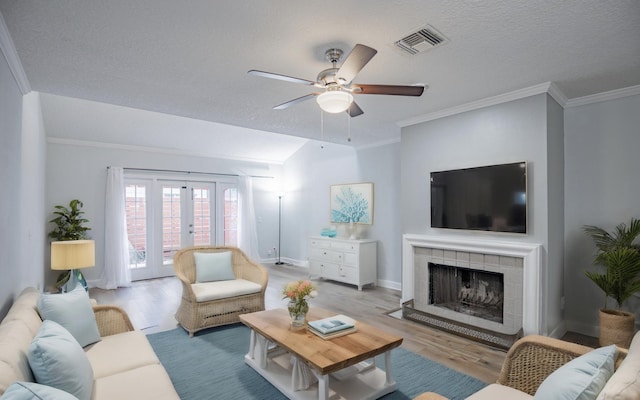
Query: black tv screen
{"points": [[489, 198]]}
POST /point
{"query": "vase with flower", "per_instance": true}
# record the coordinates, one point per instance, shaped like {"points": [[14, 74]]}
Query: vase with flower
{"points": [[298, 292]]}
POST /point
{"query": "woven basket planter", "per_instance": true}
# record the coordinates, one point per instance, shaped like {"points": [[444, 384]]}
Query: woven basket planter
{"points": [[616, 327]]}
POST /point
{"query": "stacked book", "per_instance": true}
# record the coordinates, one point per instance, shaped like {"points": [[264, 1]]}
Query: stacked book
{"points": [[331, 327]]}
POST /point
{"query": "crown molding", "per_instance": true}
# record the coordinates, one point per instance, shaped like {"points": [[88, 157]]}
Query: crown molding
{"points": [[547, 87], [157, 150], [604, 96], [557, 94], [9, 50]]}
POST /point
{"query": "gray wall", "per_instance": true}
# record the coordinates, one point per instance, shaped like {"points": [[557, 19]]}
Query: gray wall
{"points": [[508, 132], [308, 176], [10, 128], [602, 188], [22, 163], [33, 236], [381, 165], [553, 281], [305, 206]]}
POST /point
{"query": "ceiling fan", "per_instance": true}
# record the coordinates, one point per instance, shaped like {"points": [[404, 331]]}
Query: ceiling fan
{"points": [[337, 83]]}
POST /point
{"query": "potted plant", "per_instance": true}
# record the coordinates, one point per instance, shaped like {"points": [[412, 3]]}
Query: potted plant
{"points": [[70, 225], [620, 256], [69, 222]]}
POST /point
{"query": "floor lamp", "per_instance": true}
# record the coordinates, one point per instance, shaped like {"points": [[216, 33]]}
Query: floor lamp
{"points": [[279, 262]]}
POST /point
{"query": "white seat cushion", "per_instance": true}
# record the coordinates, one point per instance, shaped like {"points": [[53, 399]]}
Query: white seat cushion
{"points": [[121, 352], [149, 382], [495, 392], [217, 290]]}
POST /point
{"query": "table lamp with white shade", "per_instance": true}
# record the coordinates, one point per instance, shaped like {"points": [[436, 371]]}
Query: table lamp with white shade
{"points": [[70, 256]]}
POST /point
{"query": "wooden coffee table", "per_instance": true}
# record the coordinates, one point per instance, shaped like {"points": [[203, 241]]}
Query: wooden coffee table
{"points": [[344, 367]]}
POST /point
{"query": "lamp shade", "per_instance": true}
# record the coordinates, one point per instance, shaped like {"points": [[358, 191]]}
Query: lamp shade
{"points": [[73, 254], [334, 101]]}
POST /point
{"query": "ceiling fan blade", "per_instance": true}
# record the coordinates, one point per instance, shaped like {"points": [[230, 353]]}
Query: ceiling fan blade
{"points": [[295, 101], [395, 90], [355, 61], [354, 110], [280, 77]]}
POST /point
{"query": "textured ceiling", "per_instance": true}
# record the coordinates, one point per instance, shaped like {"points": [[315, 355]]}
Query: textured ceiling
{"points": [[191, 58]]}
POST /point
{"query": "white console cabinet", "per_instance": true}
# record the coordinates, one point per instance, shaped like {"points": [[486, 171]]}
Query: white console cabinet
{"points": [[344, 260]]}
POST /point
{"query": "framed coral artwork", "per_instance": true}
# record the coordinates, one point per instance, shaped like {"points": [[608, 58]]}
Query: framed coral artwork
{"points": [[351, 202]]}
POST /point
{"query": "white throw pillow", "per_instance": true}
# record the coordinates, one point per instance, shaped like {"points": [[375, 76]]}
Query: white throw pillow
{"points": [[72, 310], [56, 359], [35, 391], [581, 378], [625, 383], [213, 266]]}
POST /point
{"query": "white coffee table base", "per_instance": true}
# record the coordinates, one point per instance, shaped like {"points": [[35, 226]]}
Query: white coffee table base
{"points": [[361, 381]]}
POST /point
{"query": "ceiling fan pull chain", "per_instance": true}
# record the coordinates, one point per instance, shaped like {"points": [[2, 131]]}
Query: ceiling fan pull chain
{"points": [[321, 129], [348, 128]]}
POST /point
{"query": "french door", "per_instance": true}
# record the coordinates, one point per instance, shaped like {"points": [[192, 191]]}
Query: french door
{"points": [[164, 216], [188, 218]]}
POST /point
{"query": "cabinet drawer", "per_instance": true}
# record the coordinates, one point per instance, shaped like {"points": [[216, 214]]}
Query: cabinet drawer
{"points": [[323, 244], [346, 247], [347, 274], [326, 255], [324, 269], [351, 259]]}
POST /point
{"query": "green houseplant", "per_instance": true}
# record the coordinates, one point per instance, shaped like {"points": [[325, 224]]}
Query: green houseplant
{"points": [[69, 225], [619, 254], [69, 222]]}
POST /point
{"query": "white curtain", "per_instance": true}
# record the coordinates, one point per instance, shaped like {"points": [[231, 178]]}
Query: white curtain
{"points": [[116, 271], [247, 231]]}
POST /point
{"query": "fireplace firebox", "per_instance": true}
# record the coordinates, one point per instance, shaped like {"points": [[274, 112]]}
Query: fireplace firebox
{"points": [[468, 291]]}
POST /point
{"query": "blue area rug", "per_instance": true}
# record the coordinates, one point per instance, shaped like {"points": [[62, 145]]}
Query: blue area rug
{"points": [[211, 366]]}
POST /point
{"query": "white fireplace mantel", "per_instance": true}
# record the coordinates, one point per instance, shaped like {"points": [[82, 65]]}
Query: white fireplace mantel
{"points": [[529, 252]]}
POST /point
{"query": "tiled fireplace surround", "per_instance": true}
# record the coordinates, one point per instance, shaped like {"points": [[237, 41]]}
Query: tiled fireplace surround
{"points": [[518, 261]]}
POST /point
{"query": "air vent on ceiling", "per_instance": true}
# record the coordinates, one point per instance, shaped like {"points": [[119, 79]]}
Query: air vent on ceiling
{"points": [[421, 40]]}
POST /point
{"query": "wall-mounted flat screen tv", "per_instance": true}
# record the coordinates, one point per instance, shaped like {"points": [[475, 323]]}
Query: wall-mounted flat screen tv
{"points": [[489, 198]]}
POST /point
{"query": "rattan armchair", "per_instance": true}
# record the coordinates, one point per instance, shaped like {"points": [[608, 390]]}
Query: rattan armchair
{"points": [[111, 320], [193, 315], [530, 360]]}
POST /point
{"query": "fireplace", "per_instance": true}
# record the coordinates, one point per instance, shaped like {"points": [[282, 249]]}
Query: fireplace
{"points": [[471, 292], [512, 268]]}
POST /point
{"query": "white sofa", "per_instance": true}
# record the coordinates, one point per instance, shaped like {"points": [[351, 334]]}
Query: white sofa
{"points": [[123, 362], [532, 359]]}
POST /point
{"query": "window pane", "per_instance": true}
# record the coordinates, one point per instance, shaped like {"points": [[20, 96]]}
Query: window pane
{"points": [[170, 222], [201, 216], [136, 215], [231, 217]]}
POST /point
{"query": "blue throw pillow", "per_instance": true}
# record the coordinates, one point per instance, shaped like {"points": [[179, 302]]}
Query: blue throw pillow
{"points": [[56, 359], [72, 310], [35, 391], [581, 378], [214, 266]]}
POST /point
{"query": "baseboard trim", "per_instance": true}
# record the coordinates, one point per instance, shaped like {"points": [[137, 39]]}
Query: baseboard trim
{"points": [[559, 330], [389, 284], [582, 328]]}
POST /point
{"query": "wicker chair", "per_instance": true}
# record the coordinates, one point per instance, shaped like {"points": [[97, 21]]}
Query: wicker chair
{"points": [[194, 315], [530, 360]]}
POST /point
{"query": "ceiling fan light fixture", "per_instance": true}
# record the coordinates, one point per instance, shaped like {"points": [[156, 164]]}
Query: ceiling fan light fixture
{"points": [[334, 101]]}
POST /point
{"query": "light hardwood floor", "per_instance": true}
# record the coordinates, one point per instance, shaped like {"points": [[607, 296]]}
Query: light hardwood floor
{"points": [[151, 305]]}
